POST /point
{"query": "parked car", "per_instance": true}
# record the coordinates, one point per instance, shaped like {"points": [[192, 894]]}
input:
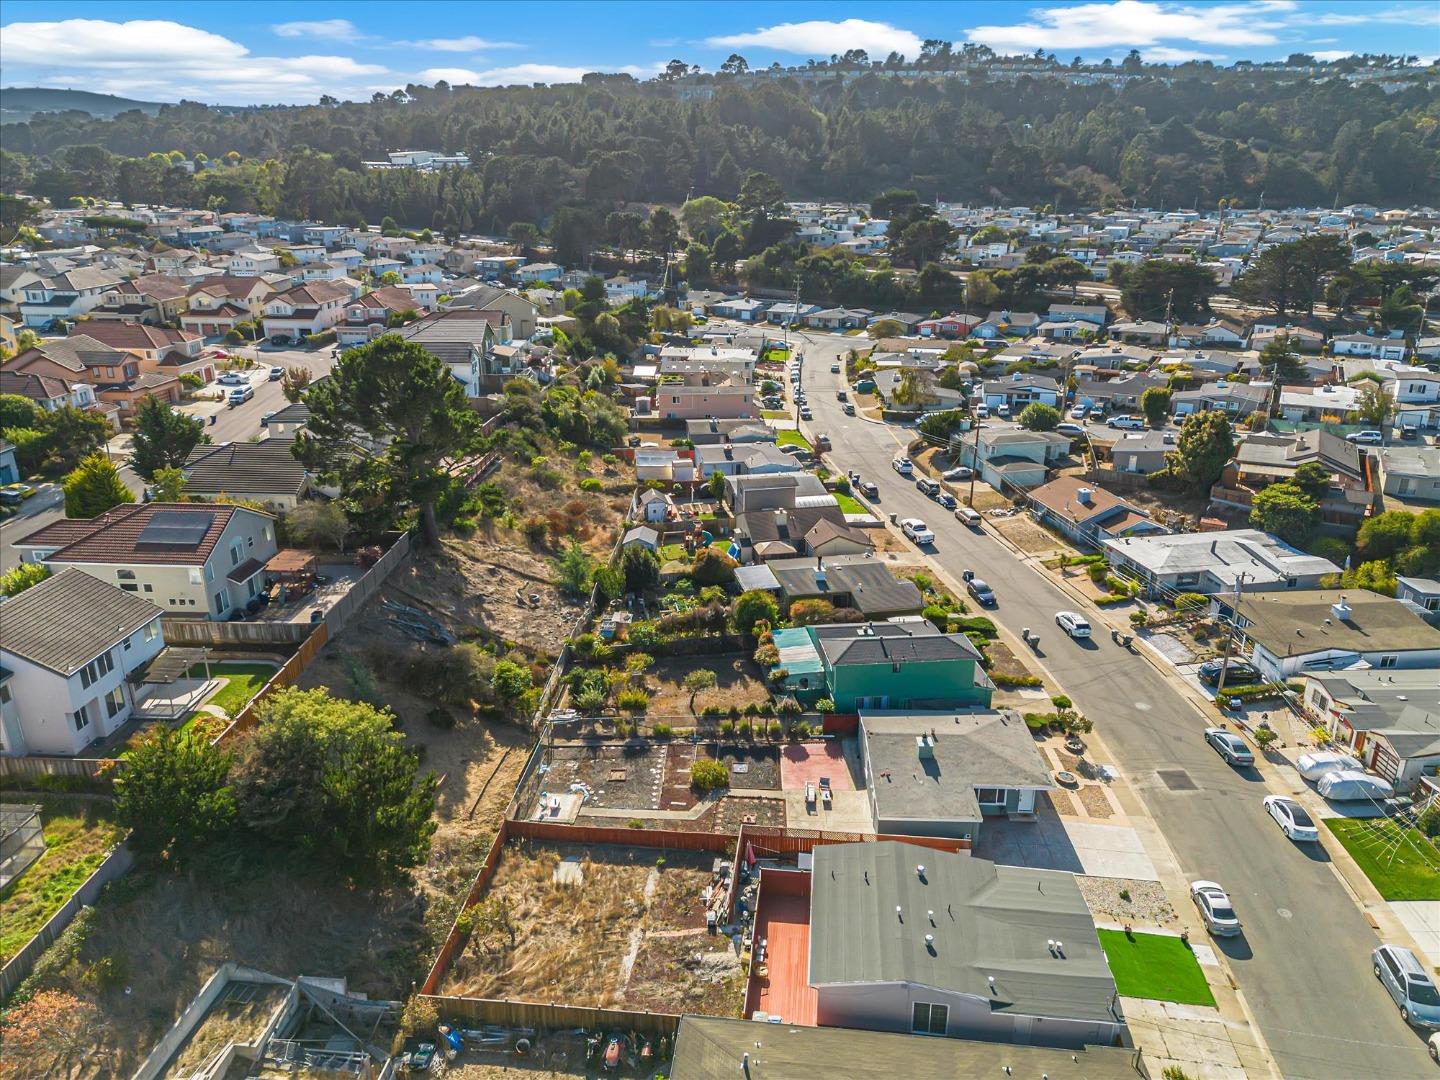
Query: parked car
{"points": [[982, 412], [1127, 423], [840, 395], [1079, 412], [1239, 673], [869, 490], [1409, 431], [917, 531], [960, 472], [805, 413], [967, 516], [240, 394], [1369, 438], [19, 490], [1314, 765], [1230, 747], [983, 594], [276, 374], [792, 448], [834, 369], [1073, 623], [848, 410], [1409, 985], [232, 378], [1294, 822], [946, 500], [1216, 911], [10, 498], [1353, 785], [902, 466], [1073, 430], [1003, 411], [927, 486], [822, 443]]}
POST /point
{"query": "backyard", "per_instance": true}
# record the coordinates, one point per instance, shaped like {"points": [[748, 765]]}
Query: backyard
{"points": [[851, 505], [1399, 861], [78, 836], [738, 682], [239, 683], [1155, 966]]}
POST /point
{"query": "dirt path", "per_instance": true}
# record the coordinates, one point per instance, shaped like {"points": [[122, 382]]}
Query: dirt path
{"points": [[676, 792]]}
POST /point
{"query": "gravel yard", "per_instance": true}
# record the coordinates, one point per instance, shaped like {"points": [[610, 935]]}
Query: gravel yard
{"points": [[1147, 906]]}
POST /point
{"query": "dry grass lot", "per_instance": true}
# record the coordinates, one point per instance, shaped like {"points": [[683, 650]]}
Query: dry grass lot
{"points": [[737, 677], [626, 934]]}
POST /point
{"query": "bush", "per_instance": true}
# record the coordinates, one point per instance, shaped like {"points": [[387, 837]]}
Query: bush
{"points": [[1038, 722], [663, 731], [713, 567], [633, 700], [709, 775], [1010, 681], [591, 484], [800, 729], [978, 625], [1191, 601], [745, 729], [727, 726], [825, 704], [775, 729], [767, 656]]}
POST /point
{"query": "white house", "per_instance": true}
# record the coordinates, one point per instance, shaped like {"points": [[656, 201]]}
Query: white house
{"points": [[69, 646], [1290, 634], [306, 309], [1381, 348], [66, 295]]}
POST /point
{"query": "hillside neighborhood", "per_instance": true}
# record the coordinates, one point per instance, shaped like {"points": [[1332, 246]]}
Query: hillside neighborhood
{"points": [[420, 651]]}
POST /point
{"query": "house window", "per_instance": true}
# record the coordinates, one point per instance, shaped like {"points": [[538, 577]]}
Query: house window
{"points": [[928, 1019], [990, 796], [130, 587], [114, 702], [149, 587], [220, 603], [125, 575], [196, 576], [152, 631], [81, 720], [1388, 661]]}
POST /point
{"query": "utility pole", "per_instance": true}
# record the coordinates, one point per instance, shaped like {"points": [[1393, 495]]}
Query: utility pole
{"points": [[975, 460], [1234, 619]]}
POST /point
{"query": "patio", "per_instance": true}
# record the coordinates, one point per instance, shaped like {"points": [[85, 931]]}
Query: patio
{"points": [[779, 985]]}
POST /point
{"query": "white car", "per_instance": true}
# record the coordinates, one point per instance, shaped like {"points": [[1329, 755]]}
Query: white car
{"points": [[1215, 908], [902, 466], [1370, 438], [1294, 822], [1079, 412], [982, 412], [1073, 623], [917, 531], [1128, 423], [1002, 411]]}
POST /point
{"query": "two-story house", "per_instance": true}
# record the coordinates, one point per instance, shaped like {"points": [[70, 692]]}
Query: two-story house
{"points": [[1010, 459], [1020, 389], [306, 309], [158, 348], [1417, 396], [220, 303], [64, 296], [118, 377], [465, 340], [69, 647], [369, 316], [196, 560], [151, 298]]}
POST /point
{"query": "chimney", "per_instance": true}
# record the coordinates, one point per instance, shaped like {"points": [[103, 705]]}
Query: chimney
{"points": [[1340, 609], [1083, 496], [924, 748]]}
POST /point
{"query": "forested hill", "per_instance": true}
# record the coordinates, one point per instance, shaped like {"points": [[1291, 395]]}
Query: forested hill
{"points": [[20, 103], [1188, 139]]}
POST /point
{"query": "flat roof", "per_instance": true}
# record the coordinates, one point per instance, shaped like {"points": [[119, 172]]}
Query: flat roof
{"points": [[1225, 555]]}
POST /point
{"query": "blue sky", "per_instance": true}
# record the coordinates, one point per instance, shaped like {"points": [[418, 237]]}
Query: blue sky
{"points": [[263, 52]]}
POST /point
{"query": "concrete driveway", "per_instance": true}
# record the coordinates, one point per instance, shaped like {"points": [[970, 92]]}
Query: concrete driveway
{"points": [[1052, 842]]}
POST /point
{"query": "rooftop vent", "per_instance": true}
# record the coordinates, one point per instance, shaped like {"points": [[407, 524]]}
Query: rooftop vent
{"points": [[1341, 610], [1083, 495], [924, 748]]}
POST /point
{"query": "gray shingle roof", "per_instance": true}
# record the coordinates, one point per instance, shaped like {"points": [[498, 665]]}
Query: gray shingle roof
{"points": [[267, 467], [69, 619], [990, 921], [883, 643]]}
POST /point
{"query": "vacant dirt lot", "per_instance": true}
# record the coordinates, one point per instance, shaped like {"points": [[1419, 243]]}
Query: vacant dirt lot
{"points": [[1027, 534], [738, 683], [611, 928]]}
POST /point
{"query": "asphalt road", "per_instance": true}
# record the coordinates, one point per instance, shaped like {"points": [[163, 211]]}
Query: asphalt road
{"points": [[1303, 963], [231, 425]]}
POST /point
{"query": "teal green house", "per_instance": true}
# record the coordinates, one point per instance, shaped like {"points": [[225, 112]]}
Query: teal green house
{"points": [[883, 665]]}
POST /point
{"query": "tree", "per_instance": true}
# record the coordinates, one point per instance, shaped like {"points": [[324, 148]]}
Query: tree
{"points": [[1292, 276], [1155, 404], [314, 522], [1376, 577], [15, 581], [51, 1033], [174, 793], [1373, 405], [512, 683], [752, 607], [1203, 447], [73, 433], [705, 217], [808, 612], [1037, 416], [1313, 479], [1284, 510], [713, 567], [708, 774], [1279, 360], [16, 412], [294, 382], [94, 487], [169, 485], [1156, 285], [715, 485], [525, 236], [641, 567], [885, 328], [332, 778], [913, 388], [164, 437], [385, 424], [574, 570], [697, 681]]}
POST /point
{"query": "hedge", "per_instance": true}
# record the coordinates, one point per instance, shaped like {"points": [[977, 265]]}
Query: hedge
{"points": [[1008, 681]]}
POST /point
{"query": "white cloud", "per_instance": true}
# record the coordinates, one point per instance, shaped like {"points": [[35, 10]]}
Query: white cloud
{"points": [[517, 74], [1164, 54], [324, 29], [453, 75], [458, 45], [169, 60], [820, 38], [1411, 15], [1136, 23], [1332, 54]]}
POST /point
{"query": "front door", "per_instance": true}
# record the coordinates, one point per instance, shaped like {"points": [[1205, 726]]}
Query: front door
{"points": [[1025, 801]]}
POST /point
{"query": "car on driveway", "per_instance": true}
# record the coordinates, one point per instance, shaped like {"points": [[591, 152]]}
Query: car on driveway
{"points": [[917, 531], [1128, 423], [1314, 765], [1003, 411], [960, 472], [1216, 911], [869, 490], [982, 412], [1294, 822], [1409, 985], [231, 378], [1230, 747], [1369, 438], [983, 594], [1079, 412], [1073, 430], [946, 500], [1073, 623], [1239, 673]]}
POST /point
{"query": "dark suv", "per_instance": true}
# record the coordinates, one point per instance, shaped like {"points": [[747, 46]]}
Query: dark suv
{"points": [[1240, 673]]}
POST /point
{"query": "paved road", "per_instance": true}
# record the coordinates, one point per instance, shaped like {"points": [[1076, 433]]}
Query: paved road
{"points": [[1303, 963], [231, 425]]}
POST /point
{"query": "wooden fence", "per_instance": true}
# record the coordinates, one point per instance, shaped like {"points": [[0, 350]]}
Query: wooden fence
{"points": [[192, 632], [94, 771], [344, 609], [538, 1015], [21, 964], [287, 675]]}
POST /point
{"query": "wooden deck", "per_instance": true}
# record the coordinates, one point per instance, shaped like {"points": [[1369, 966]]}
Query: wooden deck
{"points": [[784, 923]]}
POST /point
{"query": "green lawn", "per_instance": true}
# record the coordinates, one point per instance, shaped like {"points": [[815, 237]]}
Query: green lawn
{"points": [[850, 505], [1407, 870], [791, 437], [776, 414], [777, 356], [672, 553], [241, 683], [78, 835], [1155, 966]]}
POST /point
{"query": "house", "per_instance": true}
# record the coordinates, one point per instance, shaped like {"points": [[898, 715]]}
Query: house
{"points": [[368, 316], [664, 464], [1409, 472], [118, 377], [192, 559], [990, 968], [1293, 633], [252, 262], [731, 459], [9, 335], [9, 466], [898, 665], [1263, 459], [955, 325], [1301, 339], [535, 273], [70, 645], [1097, 315], [519, 312], [742, 309], [1380, 348], [675, 400], [465, 340], [49, 392], [1144, 453], [848, 581], [790, 313], [305, 310], [423, 274], [838, 318], [783, 490], [1020, 389], [65, 295], [641, 536], [709, 431], [1224, 333], [786, 533], [1141, 332], [707, 1048], [931, 394], [148, 344], [219, 304], [1123, 392], [265, 472], [287, 421], [1417, 396], [909, 321], [1212, 563], [1087, 514], [1008, 459], [1236, 399], [1110, 357], [1389, 720], [14, 280], [150, 298]]}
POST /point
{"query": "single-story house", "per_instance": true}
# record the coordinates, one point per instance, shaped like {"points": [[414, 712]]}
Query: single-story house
{"points": [[1381, 348], [1119, 393], [1140, 332], [847, 581], [266, 472], [1142, 453], [1410, 472], [1088, 514], [767, 535], [1390, 720], [1019, 390], [1289, 634], [1216, 562], [1235, 399]]}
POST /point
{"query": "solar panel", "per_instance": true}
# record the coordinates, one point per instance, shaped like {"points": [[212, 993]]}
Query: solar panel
{"points": [[175, 529]]}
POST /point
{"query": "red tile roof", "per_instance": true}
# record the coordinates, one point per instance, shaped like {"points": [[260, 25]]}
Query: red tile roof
{"points": [[130, 335], [113, 536]]}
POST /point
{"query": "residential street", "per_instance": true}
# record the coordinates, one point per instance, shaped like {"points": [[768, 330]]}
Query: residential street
{"points": [[1303, 963]]}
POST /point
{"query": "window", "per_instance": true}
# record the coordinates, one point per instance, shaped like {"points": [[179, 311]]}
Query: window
{"points": [[81, 720], [196, 576], [990, 796], [209, 572], [4, 694], [130, 587], [1388, 661], [149, 587], [235, 550], [928, 1019], [125, 575], [152, 631], [114, 702], [220, 603]]}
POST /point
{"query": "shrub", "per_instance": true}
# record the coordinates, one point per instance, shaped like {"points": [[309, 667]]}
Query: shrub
{"points": [[663, 731], [1009, 681], [534, 529], [590, 701], [633, 700], [767, 656], [800, 729], [727, 726], [977, 625], [775, 729], [788, 707], [591, 484], [825, 704], [1038, 721], [1191, 601], [745, 729], [752, 709], [709, 775], [1139, 618]]}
